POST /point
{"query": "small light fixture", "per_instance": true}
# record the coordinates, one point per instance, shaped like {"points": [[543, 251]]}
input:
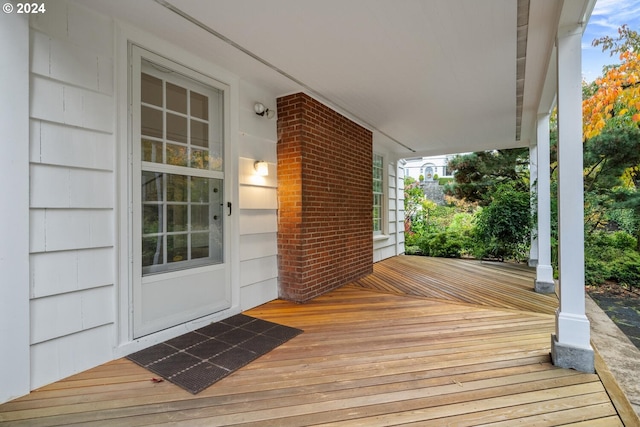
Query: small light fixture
{"points": [[263, 111], [261, 167]]}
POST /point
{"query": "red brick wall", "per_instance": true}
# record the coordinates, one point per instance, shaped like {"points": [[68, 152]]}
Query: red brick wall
{"points": [[325, 231]]}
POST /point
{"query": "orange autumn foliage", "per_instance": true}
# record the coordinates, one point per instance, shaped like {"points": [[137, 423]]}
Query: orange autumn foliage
{"points": [[618, 94]]}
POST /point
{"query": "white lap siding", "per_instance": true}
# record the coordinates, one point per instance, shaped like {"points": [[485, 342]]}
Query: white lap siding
{"points": [[392, 243], [258, 200], [74, 182], [72, 219]]}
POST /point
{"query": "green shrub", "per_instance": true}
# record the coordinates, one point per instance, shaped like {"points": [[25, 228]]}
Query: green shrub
{"points": [[611, 256], [626, 269], [625, 219], [595, 271], [503, 227], [412, 250], [622, 240], [411, 239], [445, 244]]}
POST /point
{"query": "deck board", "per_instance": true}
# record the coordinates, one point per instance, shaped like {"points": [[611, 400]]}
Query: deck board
{"points": [[368, 356], [491, 284]]}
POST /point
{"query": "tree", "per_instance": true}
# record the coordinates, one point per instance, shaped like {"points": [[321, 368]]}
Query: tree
{"points": [[613, 100], [610, 181], [611, 112], [611, 116], [413, 196], [479, 174], [627, 40], [503, 227]]}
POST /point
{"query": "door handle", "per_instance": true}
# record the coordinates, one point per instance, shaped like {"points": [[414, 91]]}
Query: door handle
{"points": [[229, 206]]}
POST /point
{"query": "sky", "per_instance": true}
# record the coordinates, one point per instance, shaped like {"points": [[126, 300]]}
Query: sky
{"points": [[607, 17]]}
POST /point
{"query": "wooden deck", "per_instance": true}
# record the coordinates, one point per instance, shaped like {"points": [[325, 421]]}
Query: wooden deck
{"points": [[489, 284], [366, 358]]}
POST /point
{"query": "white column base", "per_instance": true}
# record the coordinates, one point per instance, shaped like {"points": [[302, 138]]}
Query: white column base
{"points": [[573, 330], [571, 348], [544, 283], [569, 357]]}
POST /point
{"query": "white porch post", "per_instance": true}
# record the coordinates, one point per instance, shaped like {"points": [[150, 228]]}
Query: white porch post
{"points": [[544, 272], [570, 347], [14, 199], [533, 178], [399, 165]]}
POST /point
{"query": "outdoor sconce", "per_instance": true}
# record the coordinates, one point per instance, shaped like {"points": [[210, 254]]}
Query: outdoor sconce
{"points": [[261, 167], [263, 111]]}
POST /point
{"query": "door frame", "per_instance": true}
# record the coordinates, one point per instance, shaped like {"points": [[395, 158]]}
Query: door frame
{"points": [[126, 35], [201, 296]]}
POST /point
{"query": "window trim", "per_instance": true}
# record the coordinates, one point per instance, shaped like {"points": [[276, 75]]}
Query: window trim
{"points": [[171, 72], [194, 81], [383, 231]]}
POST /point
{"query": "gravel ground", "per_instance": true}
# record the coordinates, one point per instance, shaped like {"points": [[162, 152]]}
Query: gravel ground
{"points": [[622, 306]]}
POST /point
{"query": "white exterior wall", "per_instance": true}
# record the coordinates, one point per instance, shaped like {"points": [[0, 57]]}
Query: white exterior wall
{"points": [[75, 189], [74, 299], [415, 167], [14, 207], [258, 200], [391, 242], [400, 174], [71, 197]]}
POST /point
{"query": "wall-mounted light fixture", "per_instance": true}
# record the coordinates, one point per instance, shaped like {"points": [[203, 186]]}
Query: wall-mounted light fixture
{"points": [[261, 167], [263, 111]]}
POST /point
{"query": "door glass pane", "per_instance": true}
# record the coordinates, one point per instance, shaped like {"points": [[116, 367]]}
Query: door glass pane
{"points": [[200, 159], [151, 122], [217, 214], [176, 98], [152, 218], [177, 218], [152, 187], [177, 248], [199, 133], [177, 128], [215, 161], [200, 245], [151, 91], [176, 155], [199, 106], [200, 189], [199, 217], [177, 188], [151, 151], [152, 253]]}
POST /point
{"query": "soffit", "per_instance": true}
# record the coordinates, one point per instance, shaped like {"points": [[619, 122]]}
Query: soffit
{"points": [[435, 77]]}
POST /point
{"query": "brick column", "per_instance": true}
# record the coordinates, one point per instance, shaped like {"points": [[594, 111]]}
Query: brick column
{"points": [[325, 230]]}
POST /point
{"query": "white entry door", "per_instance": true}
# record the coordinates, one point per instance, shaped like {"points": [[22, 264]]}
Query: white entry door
{"points": [[179, 210]]}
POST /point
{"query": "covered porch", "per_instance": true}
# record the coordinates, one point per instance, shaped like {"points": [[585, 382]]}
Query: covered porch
{"points": [[425, 341], [352, 88]]}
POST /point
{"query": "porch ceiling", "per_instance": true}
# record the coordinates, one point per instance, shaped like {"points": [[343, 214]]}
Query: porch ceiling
{"points": [[434, 77]]}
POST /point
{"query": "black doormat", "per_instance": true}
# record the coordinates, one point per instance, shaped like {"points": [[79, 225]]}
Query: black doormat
{"points": [[198, 359]]}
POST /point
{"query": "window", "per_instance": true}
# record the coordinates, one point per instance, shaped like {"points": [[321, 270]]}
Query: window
{"points": [[181, 171], [378, 194]]}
